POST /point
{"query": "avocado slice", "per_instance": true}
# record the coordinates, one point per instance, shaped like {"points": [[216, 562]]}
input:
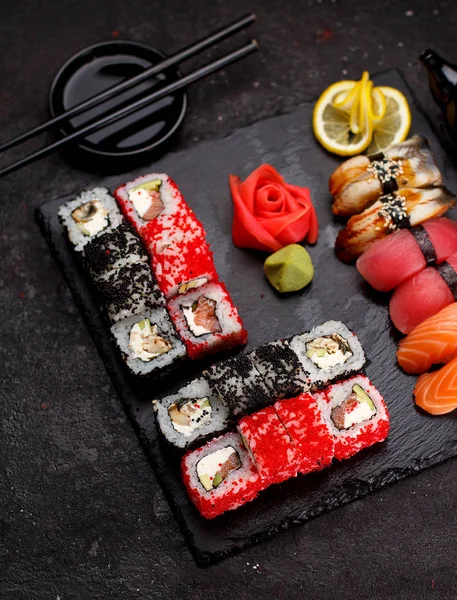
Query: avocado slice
{"points": [[154, 184], [142, 324], [206, 482], [205, 403], [362, 395], [217, 480]]}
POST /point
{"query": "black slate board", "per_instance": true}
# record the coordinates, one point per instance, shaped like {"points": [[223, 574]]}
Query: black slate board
{"points": [[416, 441]]}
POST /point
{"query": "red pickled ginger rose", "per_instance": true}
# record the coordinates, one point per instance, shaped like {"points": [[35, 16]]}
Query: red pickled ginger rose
{"points": [[270, 213]]}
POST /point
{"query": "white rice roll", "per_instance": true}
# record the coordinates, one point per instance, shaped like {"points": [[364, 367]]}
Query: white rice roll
{"points": [[143, 362], [335, 362], [209, 417], [82, 224]]}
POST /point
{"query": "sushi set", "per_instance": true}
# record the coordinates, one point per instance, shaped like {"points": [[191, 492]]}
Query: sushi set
{"points": [[148, 281]]}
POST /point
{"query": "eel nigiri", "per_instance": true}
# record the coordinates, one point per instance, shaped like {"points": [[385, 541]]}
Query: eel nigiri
{"points": [[424, 294], [437, 392], [361, 180], [403, 208], [433, 342], [390, 261]]}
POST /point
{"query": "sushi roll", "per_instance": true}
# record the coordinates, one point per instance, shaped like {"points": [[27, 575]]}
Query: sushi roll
{"points": [[239, 384], [328, 352], [114, 249], [191, 414], [220, 476], [270, 446], [128, 291], [182, 265], [356, 415], [302, 417], [280, 368], [148, 342], [87, 216], [149, 200], [207, 320]]}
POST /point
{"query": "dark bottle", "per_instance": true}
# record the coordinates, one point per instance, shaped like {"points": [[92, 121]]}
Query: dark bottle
{"points": [[442, 76]]}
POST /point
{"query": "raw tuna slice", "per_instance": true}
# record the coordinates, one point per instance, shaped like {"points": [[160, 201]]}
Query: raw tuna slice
{"points": [[395, 258], [424, 294]]}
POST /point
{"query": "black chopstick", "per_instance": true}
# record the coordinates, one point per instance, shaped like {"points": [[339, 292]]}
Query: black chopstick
{"points": [[175, 59], [211, 67]]}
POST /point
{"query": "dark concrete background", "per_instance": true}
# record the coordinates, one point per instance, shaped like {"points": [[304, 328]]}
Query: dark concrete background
{"points": [[81, 515]]}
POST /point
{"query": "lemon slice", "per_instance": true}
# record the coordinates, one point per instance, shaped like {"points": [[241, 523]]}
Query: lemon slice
{"points": [[331, 125], [378, 106], [394, 126], [344, 100]]}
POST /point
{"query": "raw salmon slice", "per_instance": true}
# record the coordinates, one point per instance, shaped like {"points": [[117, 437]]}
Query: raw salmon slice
{"points": [[436, 392], [205, 315], [433, 342]]}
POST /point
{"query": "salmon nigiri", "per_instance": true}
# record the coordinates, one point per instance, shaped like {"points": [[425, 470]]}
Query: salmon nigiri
{"points": [[437, 392], [433, 342]]}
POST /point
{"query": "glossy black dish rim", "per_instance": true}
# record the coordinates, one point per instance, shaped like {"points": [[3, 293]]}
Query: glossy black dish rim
{"points": [[123, 44]]}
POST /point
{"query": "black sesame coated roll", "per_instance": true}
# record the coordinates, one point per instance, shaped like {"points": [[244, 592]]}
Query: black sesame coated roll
{"points": [[239, 384], [128, 291], [112, 250]]}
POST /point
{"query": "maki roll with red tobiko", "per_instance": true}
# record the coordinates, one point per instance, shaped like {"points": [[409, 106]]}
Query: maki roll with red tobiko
{"points": [[310, 433], [207, 320], [356, 415], [270, 446], [220, 476], [149, 201]]}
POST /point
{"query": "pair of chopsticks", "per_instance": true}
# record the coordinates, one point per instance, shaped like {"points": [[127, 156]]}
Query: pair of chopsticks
{"points": [[180, 83]]}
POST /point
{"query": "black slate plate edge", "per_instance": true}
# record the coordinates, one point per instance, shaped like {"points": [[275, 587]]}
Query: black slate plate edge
{"points": [[344, 495]]}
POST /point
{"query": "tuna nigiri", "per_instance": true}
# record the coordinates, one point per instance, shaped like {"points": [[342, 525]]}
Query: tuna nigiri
{"points": [[433, 342], [424, 294], [401, 209], [390, 261], [437, 392], [361, 180]]}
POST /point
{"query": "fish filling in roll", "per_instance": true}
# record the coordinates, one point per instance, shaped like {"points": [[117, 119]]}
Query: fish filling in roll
{"points": [[146, 199], [357, 408], [201, 316], [146, 343], [213, 468], [328, 351], [91, 217], [188, 415]]}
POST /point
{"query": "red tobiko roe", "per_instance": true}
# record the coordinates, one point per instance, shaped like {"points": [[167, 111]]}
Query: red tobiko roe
{"points": [[270, 213]]}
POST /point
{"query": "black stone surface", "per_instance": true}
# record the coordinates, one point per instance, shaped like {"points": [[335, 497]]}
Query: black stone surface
{"points": [[81, 514], [416, 440]]}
